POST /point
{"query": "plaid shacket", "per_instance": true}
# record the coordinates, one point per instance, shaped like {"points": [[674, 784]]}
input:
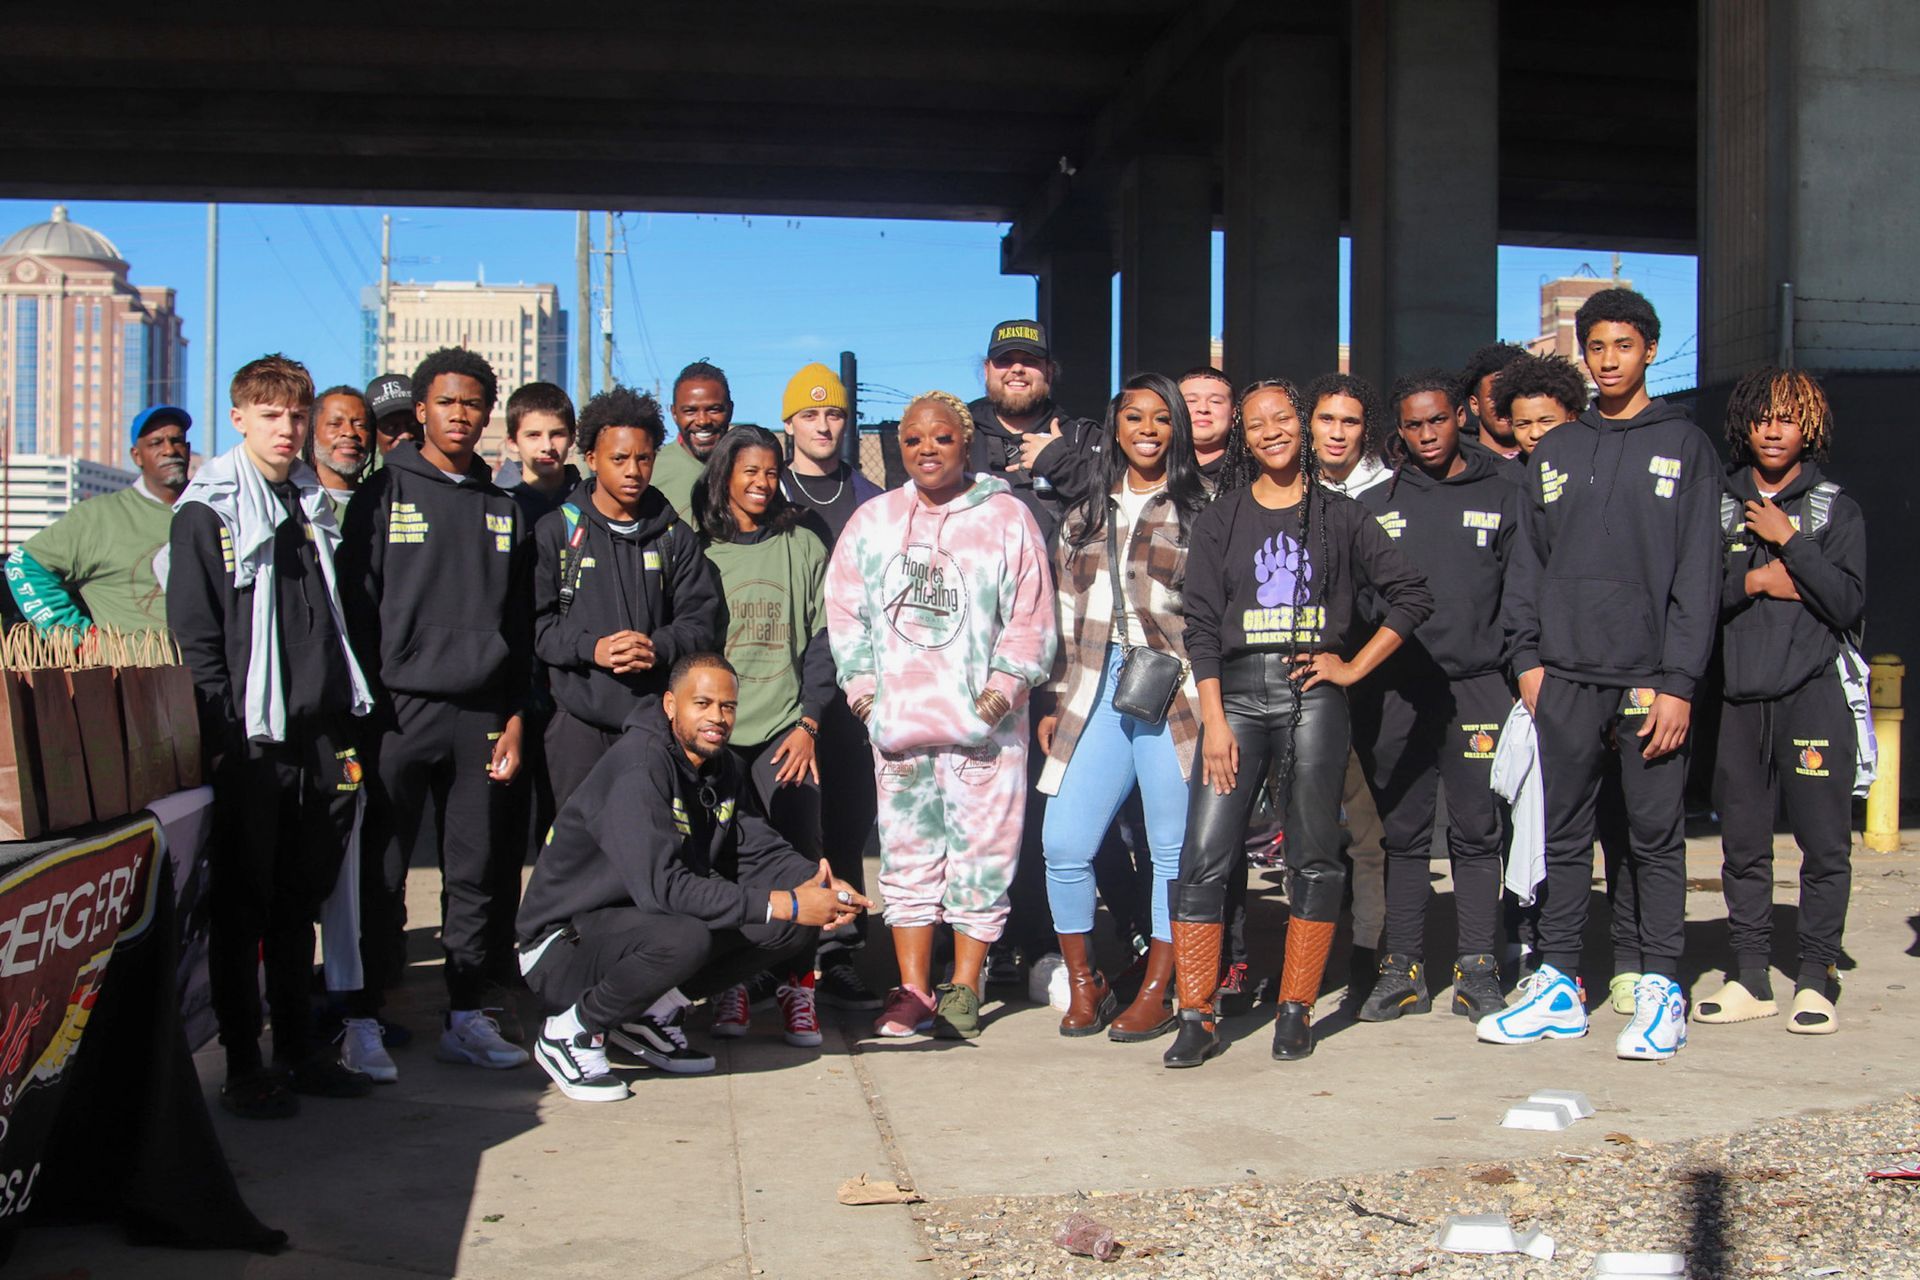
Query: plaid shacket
{"points": [[1156, 555]]}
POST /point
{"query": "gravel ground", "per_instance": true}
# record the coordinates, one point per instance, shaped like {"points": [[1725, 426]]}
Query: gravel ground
{"points": [[1786, 1199]]}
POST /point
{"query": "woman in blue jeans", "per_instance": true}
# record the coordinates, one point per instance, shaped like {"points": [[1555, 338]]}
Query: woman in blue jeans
{"points": [[1096, 754]]}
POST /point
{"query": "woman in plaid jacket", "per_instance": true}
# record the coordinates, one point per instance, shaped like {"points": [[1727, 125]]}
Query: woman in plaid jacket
{"points": [[1096, 754]]}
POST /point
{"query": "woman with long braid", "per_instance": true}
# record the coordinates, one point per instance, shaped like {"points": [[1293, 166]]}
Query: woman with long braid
{"points": [[1273, 578]]}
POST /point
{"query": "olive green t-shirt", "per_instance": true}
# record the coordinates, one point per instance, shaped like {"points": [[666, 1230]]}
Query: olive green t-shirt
{"points": [[103, 549], [676, 473], [774, 594]]}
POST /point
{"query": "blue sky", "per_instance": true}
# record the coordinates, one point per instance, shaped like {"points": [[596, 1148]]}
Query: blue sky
{"points": [[759, 295]]}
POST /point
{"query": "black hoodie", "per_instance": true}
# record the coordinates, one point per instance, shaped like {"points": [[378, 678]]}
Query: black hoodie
{"points": [[1066, 470], [1459, 532], [536, 505], [637, 834], [653, 580], [1772, 647], [436, 580], [1616, 579]]}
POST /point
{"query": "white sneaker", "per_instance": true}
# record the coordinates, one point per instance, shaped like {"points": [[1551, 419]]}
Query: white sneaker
{"points": [[1659, 1026], [661, 1042], [363, 1049], [473, 1037], [1546, 1007], [578, 1064]]}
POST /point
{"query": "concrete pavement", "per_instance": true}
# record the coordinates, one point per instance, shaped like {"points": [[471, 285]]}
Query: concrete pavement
{"points": [[458, 1171]]}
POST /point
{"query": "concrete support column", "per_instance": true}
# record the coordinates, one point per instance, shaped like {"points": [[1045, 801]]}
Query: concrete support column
{"points": [[1425, 183], [1166, 265], [1283, 208], [1809, 175], [1076, 306]]}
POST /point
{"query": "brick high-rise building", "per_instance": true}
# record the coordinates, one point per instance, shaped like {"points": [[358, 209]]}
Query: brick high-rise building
{"points": [[1560, 300], [82, 348]]}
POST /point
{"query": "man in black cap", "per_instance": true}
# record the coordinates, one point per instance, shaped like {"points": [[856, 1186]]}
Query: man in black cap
{"points": [[1021, 436], [390, 400], [96, 564]]}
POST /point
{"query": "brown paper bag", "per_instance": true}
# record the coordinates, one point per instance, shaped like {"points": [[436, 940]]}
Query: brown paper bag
{"points": [[62, 776], [183, 716], [20, 810], [103, 739]]}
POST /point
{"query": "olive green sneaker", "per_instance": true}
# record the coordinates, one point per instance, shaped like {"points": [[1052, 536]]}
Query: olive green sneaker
{"points": [[957, 1017]]}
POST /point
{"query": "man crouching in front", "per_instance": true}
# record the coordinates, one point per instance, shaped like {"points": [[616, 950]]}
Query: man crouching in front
{"points": [[653, 891]]}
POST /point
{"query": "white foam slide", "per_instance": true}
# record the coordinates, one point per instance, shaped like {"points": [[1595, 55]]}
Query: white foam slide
{"points": [[1574, 1100], [1637, 1266], [1491, 1233], [1547, 1117]]}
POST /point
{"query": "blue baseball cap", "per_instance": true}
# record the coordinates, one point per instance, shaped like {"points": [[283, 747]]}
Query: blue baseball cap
{"points": [[159, 416]]}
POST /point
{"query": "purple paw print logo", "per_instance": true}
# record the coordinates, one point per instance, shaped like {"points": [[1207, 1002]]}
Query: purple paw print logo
{"points": [[1281, 567]]}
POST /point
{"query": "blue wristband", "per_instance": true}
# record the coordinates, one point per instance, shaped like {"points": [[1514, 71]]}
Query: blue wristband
{"points": [[795, 917]]}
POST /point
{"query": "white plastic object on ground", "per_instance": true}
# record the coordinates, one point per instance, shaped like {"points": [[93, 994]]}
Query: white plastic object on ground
{"points": [[1491, 1233]]}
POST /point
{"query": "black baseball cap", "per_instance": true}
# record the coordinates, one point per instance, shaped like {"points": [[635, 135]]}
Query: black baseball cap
{"points": [[390, 393], [1018, 335]]}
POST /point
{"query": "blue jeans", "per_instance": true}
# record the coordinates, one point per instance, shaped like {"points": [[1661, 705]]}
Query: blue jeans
{"points": [[1114, 752]]}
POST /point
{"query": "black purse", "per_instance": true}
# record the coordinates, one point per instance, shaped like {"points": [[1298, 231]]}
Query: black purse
{"points": [[1148, 678]]}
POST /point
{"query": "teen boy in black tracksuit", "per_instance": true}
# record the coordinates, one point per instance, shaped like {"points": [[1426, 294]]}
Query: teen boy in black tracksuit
{"points": [[614, 561], [436, 577], [1612, 604], [1794, 590], [1436, 708]]}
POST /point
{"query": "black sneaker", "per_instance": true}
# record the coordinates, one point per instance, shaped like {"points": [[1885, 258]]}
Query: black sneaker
{"points": [[1003, 967], [260, 1095], [762, 989], [1401, 988], [840, 986], [578, 1065], [1476, 987], [661, 1044], [324, 1076]]}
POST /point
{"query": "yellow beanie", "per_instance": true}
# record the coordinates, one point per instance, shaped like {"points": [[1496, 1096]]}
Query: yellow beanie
{"points": [[814, 387]]}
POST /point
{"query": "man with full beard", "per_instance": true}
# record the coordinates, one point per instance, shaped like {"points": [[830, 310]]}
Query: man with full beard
{"points": [[104, 551], [1021, 436], [340, 443]]}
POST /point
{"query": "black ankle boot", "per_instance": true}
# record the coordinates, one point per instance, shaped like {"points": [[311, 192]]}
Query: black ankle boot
{"points": [[1197, 1040], [1293, 1032]]}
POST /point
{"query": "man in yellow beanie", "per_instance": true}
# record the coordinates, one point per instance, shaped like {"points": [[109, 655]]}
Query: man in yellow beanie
{"points": [[814, 415]]}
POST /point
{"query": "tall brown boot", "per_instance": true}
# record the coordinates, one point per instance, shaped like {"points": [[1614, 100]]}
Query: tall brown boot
{"points": [[1090, 1004], [1148, 1016], [1196, 962], [1308, 942]]}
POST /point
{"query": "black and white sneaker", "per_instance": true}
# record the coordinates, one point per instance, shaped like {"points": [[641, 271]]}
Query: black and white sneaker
{"points": [[840, 985], [578, 1064], [763, 989], [661, 1043]]}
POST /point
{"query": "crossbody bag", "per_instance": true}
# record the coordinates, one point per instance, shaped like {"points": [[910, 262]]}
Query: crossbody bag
{"points": [[1148, 678]]}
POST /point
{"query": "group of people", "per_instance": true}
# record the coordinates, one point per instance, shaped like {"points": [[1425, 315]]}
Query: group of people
{"points": [[1084, 657]]}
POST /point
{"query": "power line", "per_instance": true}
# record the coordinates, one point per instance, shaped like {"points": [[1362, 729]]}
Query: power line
{"points": [[345, 347], [326, 257], [633, 294]]}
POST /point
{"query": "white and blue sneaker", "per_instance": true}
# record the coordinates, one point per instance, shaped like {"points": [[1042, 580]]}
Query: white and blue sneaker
{"points": [[1659, 1026], [1548, 1006]]}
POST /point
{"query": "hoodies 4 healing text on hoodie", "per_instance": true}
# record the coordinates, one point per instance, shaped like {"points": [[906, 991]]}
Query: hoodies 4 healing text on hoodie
{"points": [[928, 607]]}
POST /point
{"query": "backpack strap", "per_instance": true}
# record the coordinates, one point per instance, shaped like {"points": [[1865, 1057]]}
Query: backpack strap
{"points": [[570, 558], [1732, 520], [1820, 506]]}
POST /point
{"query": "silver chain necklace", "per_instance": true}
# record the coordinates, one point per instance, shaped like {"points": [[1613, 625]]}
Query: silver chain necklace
{"points": [[808, 495]]}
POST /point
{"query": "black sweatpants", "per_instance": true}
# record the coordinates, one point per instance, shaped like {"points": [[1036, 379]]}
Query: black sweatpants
{"points": [[572, 748], [848, 807], [615, 962], [1798, 749], [1411, 737], [430, 761], [284, 814], [1578, 726], [1259, 699]]}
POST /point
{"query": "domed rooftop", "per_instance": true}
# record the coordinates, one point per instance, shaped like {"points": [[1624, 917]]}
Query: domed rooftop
{"points": [[59, 238]]}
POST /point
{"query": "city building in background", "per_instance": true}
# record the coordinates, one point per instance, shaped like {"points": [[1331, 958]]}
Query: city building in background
{"points": [[82, 348], [36, 490], [520, 329], [1560, 301], [1217, 357]]}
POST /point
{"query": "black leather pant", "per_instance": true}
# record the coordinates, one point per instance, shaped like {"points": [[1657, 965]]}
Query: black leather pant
{"points": [[1259, 702]]}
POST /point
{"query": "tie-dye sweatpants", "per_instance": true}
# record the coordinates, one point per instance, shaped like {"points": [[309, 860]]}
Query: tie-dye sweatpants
{"points": [[950, 830]]}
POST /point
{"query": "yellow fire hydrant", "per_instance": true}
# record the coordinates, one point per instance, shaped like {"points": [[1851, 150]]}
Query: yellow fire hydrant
{"points": [[1886, 672]]}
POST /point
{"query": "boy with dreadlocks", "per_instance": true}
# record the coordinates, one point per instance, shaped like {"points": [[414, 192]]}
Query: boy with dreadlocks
{"points": [[1612, 608], [1438, 706], [1274, 576], [1792, 602]]}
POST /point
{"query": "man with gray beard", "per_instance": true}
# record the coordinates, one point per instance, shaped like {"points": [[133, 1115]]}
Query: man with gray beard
{"points": [[340, 443], [96, 565]]}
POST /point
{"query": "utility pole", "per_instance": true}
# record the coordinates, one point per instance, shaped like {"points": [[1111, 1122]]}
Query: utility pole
{"points": [[583, 352], [209, 396], [385, 345], [606, 307], [850, 378]]}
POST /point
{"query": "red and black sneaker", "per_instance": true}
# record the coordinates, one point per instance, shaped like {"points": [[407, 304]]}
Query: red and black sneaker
{"points": [[1235, 996]]}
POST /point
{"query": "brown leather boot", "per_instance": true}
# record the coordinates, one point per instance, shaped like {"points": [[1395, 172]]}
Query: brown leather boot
{"points": [[1308, 942], [1196, 964], [1149, 1016], [1091, 1004]]}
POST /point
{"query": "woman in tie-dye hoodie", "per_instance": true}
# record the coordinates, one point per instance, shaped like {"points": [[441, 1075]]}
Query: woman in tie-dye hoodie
{"points": [[940, 613]]}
